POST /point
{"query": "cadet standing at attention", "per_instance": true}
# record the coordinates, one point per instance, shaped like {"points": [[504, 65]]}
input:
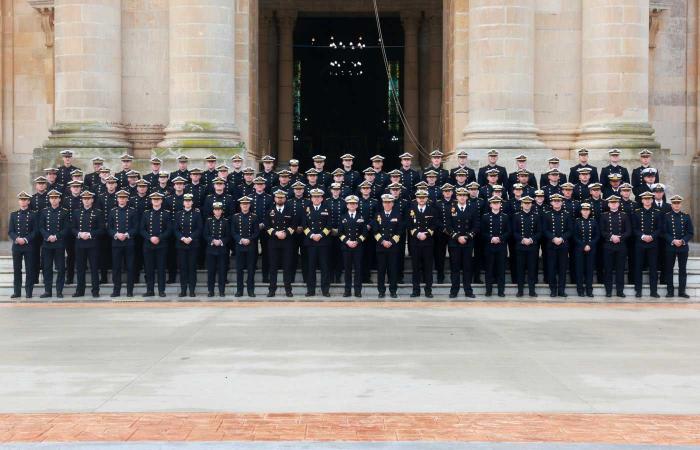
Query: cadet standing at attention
{"points": [[22, 231], [54, 226], [245, 229]]}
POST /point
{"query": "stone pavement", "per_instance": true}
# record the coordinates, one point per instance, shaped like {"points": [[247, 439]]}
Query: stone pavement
{"points": [[599, 373]]}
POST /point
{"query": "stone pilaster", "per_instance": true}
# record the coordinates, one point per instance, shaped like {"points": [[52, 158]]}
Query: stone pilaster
{"points": [[433, 27], [615, 80], [501, 80], [201, 116], [88, 61], [411, 22], [285, 102]]}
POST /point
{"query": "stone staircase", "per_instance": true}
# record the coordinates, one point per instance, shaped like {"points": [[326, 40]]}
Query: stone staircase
{"points": [[440, 291]]}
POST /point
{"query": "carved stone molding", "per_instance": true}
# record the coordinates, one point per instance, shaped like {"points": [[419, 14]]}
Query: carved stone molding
{"points": [[46, 9], [654, 23]]}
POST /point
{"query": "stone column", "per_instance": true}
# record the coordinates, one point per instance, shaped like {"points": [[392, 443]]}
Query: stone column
{"points": [[202, 75], [501, 79], [433, 24], [145, 45], [285, 102], [615, 79], [410, 21], [88, 55], [264, 82]]}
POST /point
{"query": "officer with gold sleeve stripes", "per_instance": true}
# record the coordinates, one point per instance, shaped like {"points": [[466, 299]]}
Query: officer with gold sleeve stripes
{"points": [[421, 226], [352, 230], [387, 228], [316, 221]]}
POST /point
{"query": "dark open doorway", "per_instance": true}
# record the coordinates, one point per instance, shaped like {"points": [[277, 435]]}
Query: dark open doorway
{"points": [[341, 92]]}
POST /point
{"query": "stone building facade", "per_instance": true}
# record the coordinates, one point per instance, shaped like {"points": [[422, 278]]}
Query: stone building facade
{"points": [[543, 77]]}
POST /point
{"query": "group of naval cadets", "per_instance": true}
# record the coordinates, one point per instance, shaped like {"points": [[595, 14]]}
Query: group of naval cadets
{"points": [[588, 226]]}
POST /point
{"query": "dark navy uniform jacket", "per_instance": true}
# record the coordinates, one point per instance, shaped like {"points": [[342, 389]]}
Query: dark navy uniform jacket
{"points": [[54, 222], [123, 220], [22, 224]]}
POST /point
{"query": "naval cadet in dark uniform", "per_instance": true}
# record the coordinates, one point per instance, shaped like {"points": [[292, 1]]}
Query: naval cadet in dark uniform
{"points": [[245, 230], [22, 231], [421, 226], [261, 204], [462, 161], [122, 229], [409, 176], [646, 226], [39, 202], [217, 233], [462, 224], [67, 168], [156, 228], [526, 233], [336, 206], [88, 228], [280, 226], [556, 229], [387, 228], [317, 229], [72, 202], [502, 175], [352, 231], [351, 177], [54, 226], [586, 235], [613, 167], [583, 163], [678, 230], [444, 208], [495, 230], [188, 233], [615, 230]]}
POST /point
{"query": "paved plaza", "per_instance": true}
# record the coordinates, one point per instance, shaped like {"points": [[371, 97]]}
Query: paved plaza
{"points": [[605, 374]]}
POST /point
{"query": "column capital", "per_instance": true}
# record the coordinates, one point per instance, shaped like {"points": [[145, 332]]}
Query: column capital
{"points": [[410, 20], [286, 18], [46, 9]]}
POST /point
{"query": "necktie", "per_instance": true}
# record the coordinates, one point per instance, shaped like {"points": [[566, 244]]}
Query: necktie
{"points": [[279, 210], [352, 216], [461, 208]]}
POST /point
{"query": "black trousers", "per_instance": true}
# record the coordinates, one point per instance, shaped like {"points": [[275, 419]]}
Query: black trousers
{"points": [[105, 244], [478, 262], [631, 261], [82, 257], [461, 263], [17, 258], [422, 258], [440, 253], [318, 256], [352, 261], [337, 263], [671, 256], [245, 262], [298, 253], [138, 262], [648, 255], [526, 261], [216, 268], [584, 263], [123, 257], [614, 261], [369, 257], [70, 259], [154, 267], [401, 256], [54, 257], [512, 261], [557, 263], [265, 253], [187, 264], [387, 264], [280, 257], [495, 268], [172, 260], [37, 259]]}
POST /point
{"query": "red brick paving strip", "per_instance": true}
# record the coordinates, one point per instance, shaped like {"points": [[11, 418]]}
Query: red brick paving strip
{"points": [[468, 427]]}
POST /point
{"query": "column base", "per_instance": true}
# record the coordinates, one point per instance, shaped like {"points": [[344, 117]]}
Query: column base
{"points": [[86, 140], [199, 139], [145, 138], [510, 140], [695, 190], [598, 138]]}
